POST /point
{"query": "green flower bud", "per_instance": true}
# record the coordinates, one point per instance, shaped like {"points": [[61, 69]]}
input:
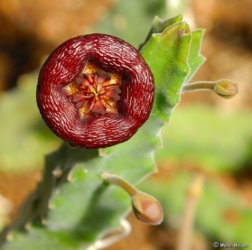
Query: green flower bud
{"points": [[226, 88]]}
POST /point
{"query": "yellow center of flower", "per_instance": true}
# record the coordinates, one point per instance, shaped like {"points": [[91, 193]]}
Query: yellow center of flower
{"points": [[95, 91]]}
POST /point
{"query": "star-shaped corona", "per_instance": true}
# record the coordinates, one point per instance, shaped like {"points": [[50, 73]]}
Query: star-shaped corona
{"points": [[94, 91]]}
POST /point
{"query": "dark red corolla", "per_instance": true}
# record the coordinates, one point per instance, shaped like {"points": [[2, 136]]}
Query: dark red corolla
{"points": [[95, 91]]}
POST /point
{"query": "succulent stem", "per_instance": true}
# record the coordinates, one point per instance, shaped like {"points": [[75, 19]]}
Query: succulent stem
{"points": [[112, 237], [145, 207], [224, 88]]}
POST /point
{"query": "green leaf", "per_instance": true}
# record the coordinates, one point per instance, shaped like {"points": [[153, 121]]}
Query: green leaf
{"points": [[167, 55], [81, 206], [195, 58], [24, 136], [158, 26]]}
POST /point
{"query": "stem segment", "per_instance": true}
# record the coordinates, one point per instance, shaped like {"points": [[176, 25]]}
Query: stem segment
{"points": [[113, 237], [113, 179], [193, 195]]}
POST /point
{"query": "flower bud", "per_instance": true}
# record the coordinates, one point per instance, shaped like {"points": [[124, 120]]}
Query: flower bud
{"points": [[226, 88], [147, 209]]}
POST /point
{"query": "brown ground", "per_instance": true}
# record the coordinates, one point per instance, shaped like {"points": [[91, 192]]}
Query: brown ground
{"points": [[31, 30]]}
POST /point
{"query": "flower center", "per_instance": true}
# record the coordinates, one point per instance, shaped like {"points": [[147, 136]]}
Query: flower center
{"points": [[95, 91]]}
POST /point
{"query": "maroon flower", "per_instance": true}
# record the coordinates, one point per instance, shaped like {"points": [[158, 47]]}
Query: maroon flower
{"points": [[95, 91]]}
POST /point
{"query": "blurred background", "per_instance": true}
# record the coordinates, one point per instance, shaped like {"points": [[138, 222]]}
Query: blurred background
{"points": [[206, 135]]}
